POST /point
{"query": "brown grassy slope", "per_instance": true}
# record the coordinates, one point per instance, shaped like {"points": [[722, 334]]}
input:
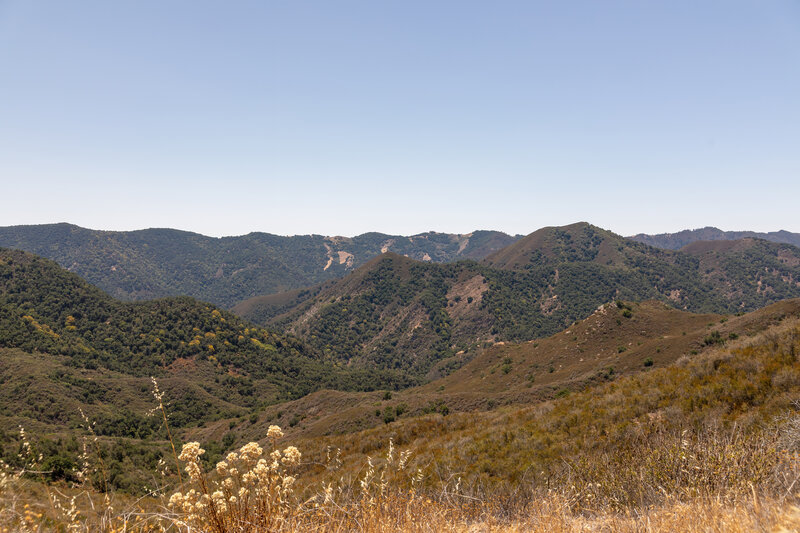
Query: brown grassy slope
{"points": [[704, 425], [24, 506], [580, 356], [608, 339]]}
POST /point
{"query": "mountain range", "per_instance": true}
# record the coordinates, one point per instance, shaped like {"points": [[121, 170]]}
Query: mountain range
{"points": [[410, 309], [675, 241], [153, 263], [67, 348]]}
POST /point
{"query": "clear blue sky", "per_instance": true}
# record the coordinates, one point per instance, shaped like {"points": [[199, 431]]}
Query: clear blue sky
{"points": [[402, 117]]}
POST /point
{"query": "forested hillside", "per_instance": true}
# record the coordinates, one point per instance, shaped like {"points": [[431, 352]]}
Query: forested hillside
{"points": [[73, 341]]}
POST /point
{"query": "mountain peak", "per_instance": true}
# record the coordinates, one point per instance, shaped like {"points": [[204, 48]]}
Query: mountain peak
{"points": [[578, 242]]}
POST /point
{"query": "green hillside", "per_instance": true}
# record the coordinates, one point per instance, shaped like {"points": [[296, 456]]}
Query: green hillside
{"points": [[750, 273], [79, 338], [153, 263]]}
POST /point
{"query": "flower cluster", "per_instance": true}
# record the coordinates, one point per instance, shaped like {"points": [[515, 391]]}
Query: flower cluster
{"points": [[247, 488], [190, 453], [274, 433]]}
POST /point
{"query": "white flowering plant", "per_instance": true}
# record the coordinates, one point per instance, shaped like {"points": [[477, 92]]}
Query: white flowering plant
{"points": [[250, 490]]}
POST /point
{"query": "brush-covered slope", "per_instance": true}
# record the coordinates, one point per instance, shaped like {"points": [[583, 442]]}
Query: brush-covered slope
{"points": [[63, 341], [618, 339], [613, 341], [675, 241], [750, 273], [711, 422], [396, 313], [146, 264]]}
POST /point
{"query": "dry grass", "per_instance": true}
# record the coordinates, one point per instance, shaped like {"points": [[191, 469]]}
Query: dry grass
{"points": [[253, 490], [400, 512]]}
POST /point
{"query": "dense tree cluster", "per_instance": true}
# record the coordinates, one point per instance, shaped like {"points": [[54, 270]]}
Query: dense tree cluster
{"points": [[46, 309]]}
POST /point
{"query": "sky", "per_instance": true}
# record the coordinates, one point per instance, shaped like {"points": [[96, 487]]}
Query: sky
{"points": [[339, 118]]}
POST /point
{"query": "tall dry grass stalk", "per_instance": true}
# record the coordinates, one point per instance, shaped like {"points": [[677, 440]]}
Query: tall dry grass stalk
{"points": [[159, 397]]}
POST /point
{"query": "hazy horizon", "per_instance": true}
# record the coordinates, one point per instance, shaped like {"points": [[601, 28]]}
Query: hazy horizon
{"points": [[393, 234]]}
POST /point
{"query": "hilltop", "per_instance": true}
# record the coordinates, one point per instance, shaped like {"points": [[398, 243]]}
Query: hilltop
{"points": [[580, 242], [675, 241], [153, 263]]}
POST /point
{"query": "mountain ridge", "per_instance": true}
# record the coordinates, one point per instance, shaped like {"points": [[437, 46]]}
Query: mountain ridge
{"points": [[677, 240], [157, 262]]}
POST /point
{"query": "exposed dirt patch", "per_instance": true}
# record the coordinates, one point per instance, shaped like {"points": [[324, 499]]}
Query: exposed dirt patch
{"points": [[386, 245], [465, 296], [463, 244], [346, 258], [550, 305], [182, 365], [330, 257], [788, 259]]}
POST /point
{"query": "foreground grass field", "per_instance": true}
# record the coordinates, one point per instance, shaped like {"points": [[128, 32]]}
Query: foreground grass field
{"points": [[380, 505]]}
